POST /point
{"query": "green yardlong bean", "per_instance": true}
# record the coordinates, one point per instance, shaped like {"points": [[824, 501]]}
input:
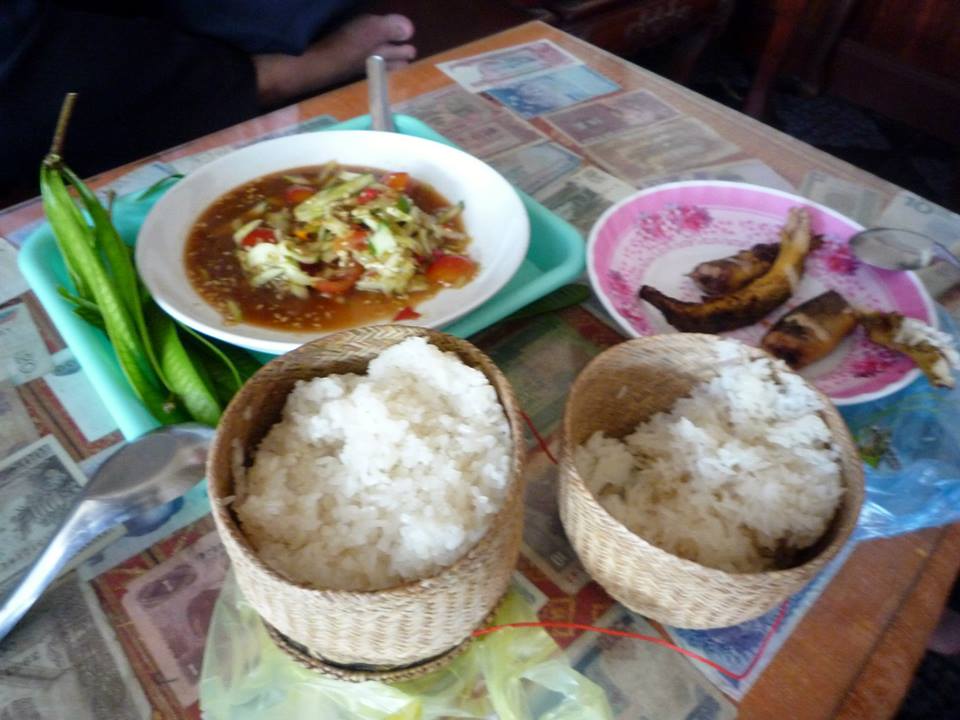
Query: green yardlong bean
{"points": [[174, 383]]}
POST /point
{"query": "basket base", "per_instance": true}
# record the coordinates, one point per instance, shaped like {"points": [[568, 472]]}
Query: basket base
{"points": [[362, 673]]}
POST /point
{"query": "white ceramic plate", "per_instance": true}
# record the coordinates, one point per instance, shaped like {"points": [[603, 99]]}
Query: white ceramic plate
{"points": [[656, 236], [494, 217]]}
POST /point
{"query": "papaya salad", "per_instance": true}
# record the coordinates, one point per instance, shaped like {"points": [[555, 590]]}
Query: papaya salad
{"points": [[327, 247]]}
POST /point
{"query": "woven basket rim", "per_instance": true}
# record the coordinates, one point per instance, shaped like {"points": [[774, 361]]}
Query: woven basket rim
{"points": [[507, 401], [627, 535], [392, 674], [356, 675]]}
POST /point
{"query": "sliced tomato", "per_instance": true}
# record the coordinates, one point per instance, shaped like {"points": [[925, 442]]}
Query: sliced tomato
{"points": [[397, 181], [296, 194], [368, 194], [356, 240], [260, 235], [451, 270], [340, 282], [407, 313]]}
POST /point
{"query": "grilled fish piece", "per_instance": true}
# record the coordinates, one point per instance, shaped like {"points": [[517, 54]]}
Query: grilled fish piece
{"points": [[751, 302], [811, 330], [932, 350], [726, 275]]}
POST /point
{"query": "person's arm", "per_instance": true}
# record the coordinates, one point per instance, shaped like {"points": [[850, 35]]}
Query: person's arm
{"points": [[143, 86], [287, 27]]}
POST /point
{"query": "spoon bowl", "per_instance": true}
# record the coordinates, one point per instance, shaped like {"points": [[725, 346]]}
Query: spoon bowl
{"points": [[897, 249], [150, 471]]}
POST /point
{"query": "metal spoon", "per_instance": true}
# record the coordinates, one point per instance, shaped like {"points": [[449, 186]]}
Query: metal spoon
{"points": [[152, 470], [378, 95], [895, 249]]}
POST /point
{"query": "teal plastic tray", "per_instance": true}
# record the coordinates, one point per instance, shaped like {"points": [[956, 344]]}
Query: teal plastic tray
{"points": [[555, 257]]}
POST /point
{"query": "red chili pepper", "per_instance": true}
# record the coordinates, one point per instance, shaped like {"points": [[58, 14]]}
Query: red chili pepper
{"points": [[368, 194], [407, 313], [260, 235]]}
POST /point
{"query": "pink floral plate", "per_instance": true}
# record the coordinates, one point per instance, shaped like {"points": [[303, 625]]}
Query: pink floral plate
{"points": [[658, 235]]}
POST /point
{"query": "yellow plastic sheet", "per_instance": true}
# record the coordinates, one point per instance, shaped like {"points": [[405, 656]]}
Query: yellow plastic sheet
{"points": [[516, 674]]}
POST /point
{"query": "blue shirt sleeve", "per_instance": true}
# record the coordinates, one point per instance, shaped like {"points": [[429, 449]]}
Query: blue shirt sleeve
{"points": [[278, 26]]}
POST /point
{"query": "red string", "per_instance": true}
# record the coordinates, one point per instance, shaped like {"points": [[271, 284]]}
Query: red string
{"points": [[651, 639], [777, 621], [543, 443]]}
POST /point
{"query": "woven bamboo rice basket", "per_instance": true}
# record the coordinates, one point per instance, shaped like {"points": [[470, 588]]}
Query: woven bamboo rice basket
{"points": [[377, 630], [622, 387]]}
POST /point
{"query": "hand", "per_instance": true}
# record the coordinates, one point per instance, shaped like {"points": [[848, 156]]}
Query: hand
{"points": [[334, 58]]}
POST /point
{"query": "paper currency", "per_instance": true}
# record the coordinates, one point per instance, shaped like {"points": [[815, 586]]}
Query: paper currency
{"points": [[318, 122], [642, 108], [19, 235], [612, 116], [495, 68], [171, 604], [736, 646], [12, 283], [552, 91], [188, 163], [448, 108], [911, 212], [38, 485], [498, 134], [663, 148], [309, 125], [143, 531], [855, 201], [62, 662], [536, 166], [23, 354], [582, 197], [475, 124], [72, 388], [545, 543], [16, 427], [139, 179], [533, 596], [643, 680], [749, 171]]}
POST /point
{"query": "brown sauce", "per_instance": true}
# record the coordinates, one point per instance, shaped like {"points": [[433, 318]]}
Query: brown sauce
{"points": [[215, 272]]}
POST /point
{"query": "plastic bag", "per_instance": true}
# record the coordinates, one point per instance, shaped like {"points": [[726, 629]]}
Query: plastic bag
{"points": [[516, 674], [910, 445]]}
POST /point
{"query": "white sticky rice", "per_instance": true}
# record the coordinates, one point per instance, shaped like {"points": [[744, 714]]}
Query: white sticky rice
{"points": [[372, 480], [740, 470]]}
